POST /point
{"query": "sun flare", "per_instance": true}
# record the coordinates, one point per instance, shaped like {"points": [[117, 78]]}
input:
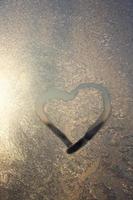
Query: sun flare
{"points": [[5, 94], [6, 104]]}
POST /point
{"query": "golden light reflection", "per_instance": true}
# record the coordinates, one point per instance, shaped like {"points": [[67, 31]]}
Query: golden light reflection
{"points": [[14, 100], [14, 90], [5, 94], [6, 105]]}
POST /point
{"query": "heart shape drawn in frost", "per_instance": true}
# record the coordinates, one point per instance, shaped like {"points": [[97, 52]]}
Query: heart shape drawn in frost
{"points": [[56, 94]]}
